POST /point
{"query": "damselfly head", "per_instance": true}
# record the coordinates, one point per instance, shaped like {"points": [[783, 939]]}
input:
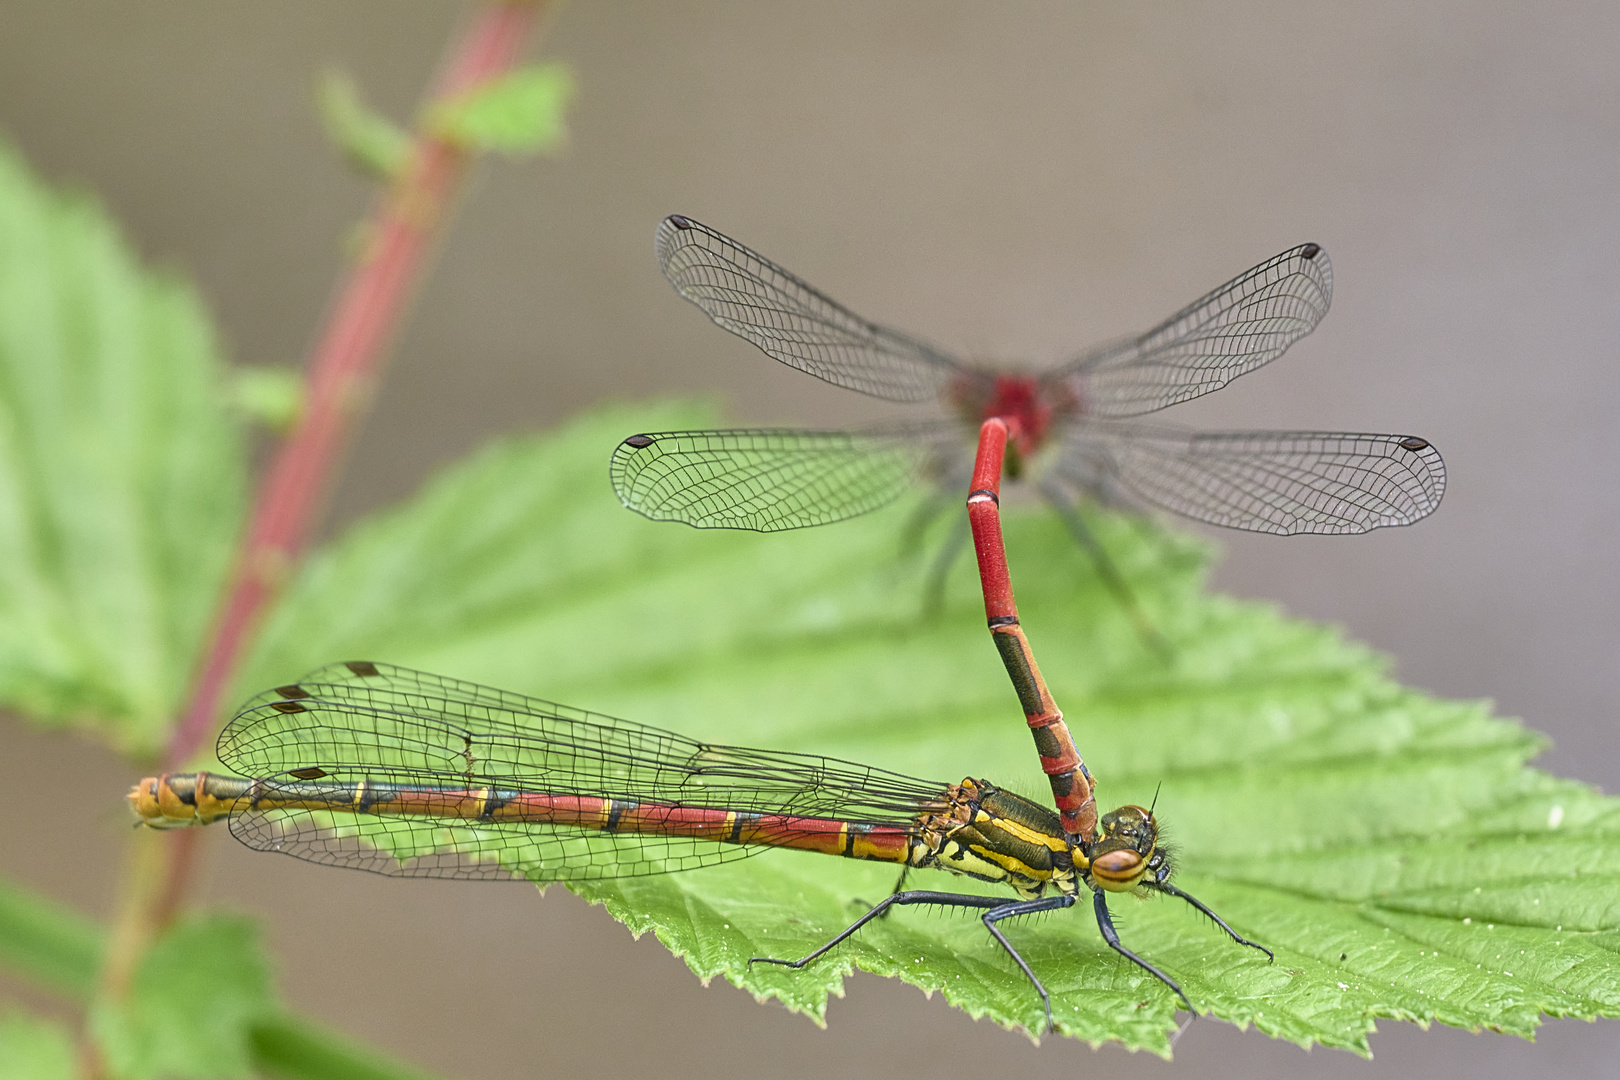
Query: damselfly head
{"points": [[1126, 851]]}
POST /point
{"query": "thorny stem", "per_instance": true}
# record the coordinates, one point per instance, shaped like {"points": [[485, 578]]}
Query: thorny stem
{"points": [[343, 368]]}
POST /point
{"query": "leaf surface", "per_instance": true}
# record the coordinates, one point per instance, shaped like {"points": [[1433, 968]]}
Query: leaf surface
{"points": [[522, 112], [1394, 849], [121, 472], [33, 1048], [51, 943], [374, 144], [203, 988]]}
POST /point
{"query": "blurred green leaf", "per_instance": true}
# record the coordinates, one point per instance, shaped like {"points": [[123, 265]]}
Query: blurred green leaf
{"points": [[373, 144], [33, 1048], [200, 990], [121, 473], [46, 941], [267, 394], [41, 939], [294, 1049], [1394, 849], [522, 112]]}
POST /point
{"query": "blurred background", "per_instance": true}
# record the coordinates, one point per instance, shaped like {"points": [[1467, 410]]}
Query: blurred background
{"points": [[1014, 181]]}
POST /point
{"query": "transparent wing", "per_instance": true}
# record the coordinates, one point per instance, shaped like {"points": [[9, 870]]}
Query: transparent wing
{"points": [[755, 299], [327, 830], [1282, 482], [342, 737], [1244, 324], [773, 479]]}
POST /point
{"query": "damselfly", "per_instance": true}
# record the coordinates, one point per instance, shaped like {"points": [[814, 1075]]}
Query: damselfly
{"points": [[404, 773], [1076, 428]]}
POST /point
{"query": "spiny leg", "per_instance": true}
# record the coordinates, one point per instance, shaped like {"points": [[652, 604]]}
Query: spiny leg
{"points": [[899, 886], [1107, 570], [1105, 923], [1195, 902], [1026, 907], [899, 899]]}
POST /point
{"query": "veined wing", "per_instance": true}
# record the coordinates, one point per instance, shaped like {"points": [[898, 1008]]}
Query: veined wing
{"points": [[354, 742], [1244, 324], [1282, 482], [773, 479], [746, 293]]}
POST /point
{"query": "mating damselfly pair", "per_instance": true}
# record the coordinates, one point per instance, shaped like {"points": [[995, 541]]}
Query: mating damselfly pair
{"points": [[400, 772], [367, 765]]}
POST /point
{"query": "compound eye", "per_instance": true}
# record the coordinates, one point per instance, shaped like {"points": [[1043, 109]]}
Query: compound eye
{"points": [[1117, 870]]}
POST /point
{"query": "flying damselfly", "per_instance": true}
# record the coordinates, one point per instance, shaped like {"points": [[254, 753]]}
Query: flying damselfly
{"points": [[1078, 431], [382, 768]]}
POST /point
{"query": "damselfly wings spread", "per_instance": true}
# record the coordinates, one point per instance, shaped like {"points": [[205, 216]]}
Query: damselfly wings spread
{"points": [[771, 479]]}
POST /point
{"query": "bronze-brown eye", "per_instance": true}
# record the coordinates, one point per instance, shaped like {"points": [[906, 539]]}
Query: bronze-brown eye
{"points": [[1118, 870]]}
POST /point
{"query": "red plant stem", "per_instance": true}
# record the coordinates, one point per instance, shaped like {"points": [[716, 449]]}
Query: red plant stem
{"points": [[344, 366], [1071, 783]]}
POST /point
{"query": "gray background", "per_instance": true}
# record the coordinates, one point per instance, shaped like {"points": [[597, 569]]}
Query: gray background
{"points": [[1014, 180]]}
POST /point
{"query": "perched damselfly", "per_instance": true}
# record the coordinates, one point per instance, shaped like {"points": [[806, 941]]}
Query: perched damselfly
{"points": [[1077, 432], [382, 768]]}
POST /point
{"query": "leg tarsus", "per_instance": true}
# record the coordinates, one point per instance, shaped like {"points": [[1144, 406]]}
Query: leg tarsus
{"points": [[997, 908], [1105, 923], [899, 899], [1026, 907], [1171, 890]]}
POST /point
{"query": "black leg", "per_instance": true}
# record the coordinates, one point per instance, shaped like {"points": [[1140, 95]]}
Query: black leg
{"points": [[1110, 935], [1026, 907], [996, 909], [899, 886], [899, 899], [900, 882], [1107, 571], [1233, 934]]}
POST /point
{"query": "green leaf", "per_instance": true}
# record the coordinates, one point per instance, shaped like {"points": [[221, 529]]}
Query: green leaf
{"points": [[121, 473], [267, 394], [373, 144], [1393, 848], [294, 1049], [33, 1048], [201, 988], [523, 112], [44, 940]]}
